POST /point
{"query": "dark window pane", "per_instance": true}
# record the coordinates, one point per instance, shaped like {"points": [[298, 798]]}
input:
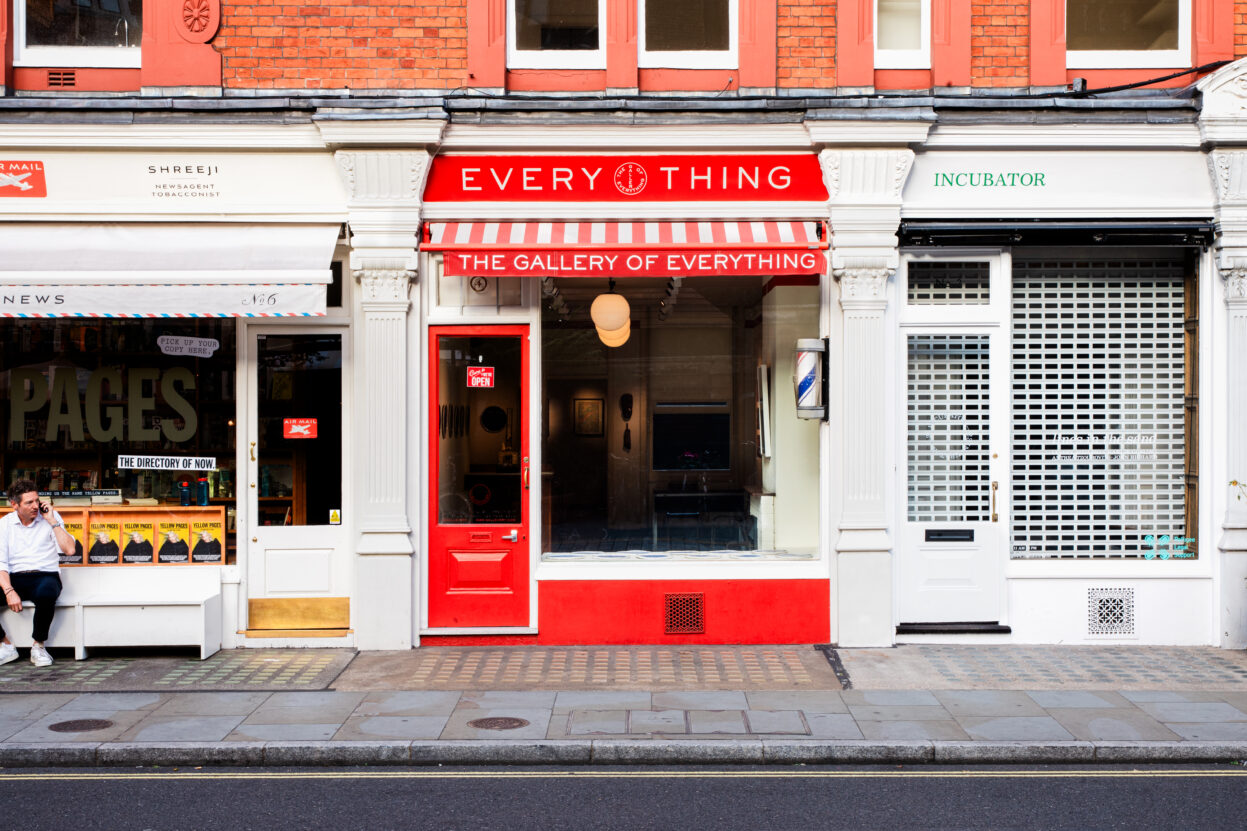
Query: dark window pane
{"points": [[1127, 25], [79, 23], [692, 25], [556, 24]]}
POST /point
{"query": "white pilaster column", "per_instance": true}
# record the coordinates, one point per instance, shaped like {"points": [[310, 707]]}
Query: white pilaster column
{"points": [[385, 187], [865, 188]]}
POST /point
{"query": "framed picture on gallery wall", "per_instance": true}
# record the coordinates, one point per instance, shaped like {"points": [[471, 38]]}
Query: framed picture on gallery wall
{"points": [[588, 416]]}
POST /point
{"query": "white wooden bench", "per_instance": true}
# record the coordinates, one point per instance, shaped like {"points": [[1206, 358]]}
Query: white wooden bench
{"points": [[130, 606]]}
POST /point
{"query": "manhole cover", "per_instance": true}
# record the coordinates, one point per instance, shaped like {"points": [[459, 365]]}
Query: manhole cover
{"points": [[498, 723], [80, 725]]}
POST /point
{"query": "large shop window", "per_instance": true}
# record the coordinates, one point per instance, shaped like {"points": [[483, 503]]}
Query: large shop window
{"points": [[1104, 408], [682, 441], [556, 34], [1117, 34], [105, 33], [121, 413]]}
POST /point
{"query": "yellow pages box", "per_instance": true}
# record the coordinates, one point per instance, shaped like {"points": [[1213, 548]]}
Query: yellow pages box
{"points": [[174, 542], [138, 542], [77, 529]]}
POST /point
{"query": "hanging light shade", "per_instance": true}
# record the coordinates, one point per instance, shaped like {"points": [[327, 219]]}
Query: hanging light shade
{"points": [[616, 338], [610, 312]]}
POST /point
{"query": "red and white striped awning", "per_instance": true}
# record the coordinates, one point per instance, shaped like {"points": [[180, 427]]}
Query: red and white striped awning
{"points": [[628, 249]]}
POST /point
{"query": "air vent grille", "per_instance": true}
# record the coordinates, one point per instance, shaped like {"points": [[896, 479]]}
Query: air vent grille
{"points": [[686, 614], [1110, 611], [60, 78]]}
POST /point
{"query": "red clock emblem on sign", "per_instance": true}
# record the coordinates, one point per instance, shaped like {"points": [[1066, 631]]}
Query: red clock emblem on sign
{"points": [[630, 178]]}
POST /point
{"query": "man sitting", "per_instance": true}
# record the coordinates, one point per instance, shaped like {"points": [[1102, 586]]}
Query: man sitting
{"points": [[32, 539]]}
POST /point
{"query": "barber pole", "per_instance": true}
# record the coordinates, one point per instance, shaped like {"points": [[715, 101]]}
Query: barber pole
{"points": [[808, 378]]}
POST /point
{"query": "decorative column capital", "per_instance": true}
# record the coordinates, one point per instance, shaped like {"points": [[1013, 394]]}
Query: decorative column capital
{"points": [[375, 177], [384, 286], [863, 284], [875, 176]]}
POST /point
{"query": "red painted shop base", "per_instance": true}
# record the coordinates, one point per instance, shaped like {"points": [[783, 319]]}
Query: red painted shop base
{"points": [[621, 612]]}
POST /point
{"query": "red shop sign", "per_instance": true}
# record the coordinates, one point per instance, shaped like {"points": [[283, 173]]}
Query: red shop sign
{"points": [[790, 177], [480, 376], [298, 428]]}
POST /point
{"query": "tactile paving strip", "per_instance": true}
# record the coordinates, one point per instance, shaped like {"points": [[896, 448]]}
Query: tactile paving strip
{"points": [[913, 666], [593, 668], [252, 670]]}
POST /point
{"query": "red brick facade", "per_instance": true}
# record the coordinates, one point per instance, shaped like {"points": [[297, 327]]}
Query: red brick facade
{"points": [[806, 46], [999, 43], [335, 44]]}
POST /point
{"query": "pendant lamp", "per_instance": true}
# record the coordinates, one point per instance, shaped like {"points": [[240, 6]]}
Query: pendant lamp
{"points": [[612, 316]]}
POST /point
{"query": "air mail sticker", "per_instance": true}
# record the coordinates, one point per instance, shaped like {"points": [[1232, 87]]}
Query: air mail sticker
{"points": [[298, 428], [22, 178]]}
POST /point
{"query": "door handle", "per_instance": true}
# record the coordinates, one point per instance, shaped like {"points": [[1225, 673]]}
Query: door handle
{"points": [[525, 474], [995, 516], [253, 451], [514, 536]]}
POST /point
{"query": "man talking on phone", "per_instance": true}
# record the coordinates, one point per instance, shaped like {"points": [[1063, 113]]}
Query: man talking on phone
{"points": [[32, 539]]}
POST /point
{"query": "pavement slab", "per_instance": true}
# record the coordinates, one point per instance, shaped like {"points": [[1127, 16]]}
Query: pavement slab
{"points": [[1002, 714]]}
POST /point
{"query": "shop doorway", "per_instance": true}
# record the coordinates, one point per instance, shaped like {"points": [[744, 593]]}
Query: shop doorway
{"points": [[478, 568], [298, 574], [954, 369]]}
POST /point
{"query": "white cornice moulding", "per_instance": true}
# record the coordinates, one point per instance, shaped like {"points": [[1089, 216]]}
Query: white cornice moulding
{"points": [[609, 138], [197, 136], [607, 211], [1082, 211], [1065, 136], [830, 134], [319, 217], [362, 132]]}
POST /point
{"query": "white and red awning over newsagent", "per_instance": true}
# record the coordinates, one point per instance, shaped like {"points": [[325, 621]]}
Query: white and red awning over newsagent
{"points": [[765, 184]]}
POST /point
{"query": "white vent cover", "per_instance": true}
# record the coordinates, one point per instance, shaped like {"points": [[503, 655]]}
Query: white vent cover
{"points": [[1098, 443], [1110, 611]]}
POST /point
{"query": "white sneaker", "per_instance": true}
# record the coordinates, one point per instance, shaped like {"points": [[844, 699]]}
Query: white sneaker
{"points": [[8, 652], [39, 656]]}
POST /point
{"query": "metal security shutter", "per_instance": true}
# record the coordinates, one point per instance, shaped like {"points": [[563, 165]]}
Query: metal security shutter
{"points": [[948, 408], [1098, 445]]}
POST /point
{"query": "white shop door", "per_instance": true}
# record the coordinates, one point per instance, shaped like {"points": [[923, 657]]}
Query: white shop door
{"points": [[954, 365]]}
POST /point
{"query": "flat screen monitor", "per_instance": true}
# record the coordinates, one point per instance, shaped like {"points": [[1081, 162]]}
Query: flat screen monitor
{"points": [[692, 441]]}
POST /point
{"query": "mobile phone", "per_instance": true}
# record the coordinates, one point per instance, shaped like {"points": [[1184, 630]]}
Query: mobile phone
{"points": [[43, 507]]}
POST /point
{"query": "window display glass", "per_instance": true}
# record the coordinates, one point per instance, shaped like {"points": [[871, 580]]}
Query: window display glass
{"points": [[655, 443]]}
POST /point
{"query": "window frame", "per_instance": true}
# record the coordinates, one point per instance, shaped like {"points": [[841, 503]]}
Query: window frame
{"points": [[555, 58], [691, 59], [106, 57], [1133, 58], [904, 58]]}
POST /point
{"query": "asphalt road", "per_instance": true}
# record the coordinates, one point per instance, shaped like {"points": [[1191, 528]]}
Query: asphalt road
{"points": [[722, 799]]}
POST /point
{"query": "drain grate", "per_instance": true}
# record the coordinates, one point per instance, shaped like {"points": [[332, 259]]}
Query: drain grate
{"points": [[80, 725], [498, 723], [685, 614]]}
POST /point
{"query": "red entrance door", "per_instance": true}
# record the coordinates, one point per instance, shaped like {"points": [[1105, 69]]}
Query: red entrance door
{"points": [[478, 451]]}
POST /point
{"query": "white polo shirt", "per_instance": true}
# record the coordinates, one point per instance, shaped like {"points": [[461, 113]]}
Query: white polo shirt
{"points": [[28, 547]]}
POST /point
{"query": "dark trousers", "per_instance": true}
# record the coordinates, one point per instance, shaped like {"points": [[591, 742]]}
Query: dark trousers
{"points": [[41, 588]]}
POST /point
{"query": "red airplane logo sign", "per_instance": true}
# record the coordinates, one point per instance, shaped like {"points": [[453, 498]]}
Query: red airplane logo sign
{"points": [[298, 428], [19, 178]]}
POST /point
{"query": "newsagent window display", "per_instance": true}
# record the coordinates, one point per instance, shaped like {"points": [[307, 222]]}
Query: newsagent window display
{"points": [[681, 441], [128, 427]]}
